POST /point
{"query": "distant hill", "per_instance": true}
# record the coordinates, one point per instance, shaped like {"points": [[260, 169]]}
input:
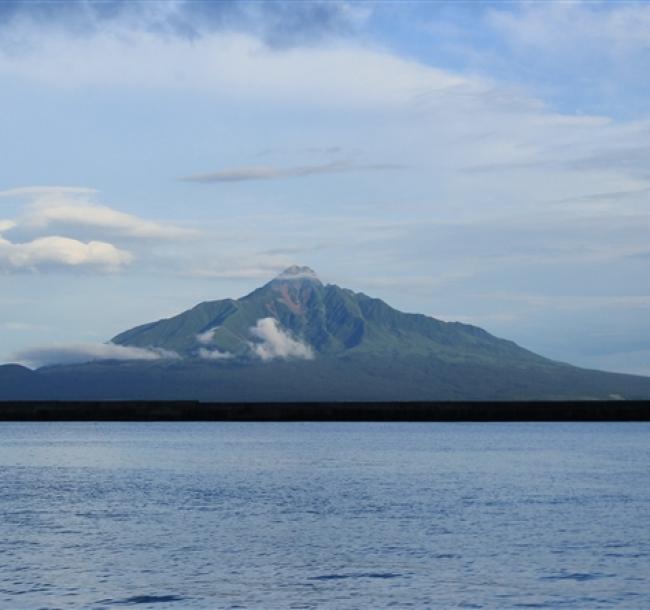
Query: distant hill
{"points": [[295, 339], [18, 383]]}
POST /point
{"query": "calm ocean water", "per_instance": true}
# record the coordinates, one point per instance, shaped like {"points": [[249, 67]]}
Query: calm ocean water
{"points": [[336, 516]]}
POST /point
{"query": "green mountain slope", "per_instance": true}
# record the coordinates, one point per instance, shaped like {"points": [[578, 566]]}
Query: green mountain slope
{"points": [[330, 320]]}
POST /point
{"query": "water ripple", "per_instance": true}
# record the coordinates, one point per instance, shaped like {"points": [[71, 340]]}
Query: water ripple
{"points": [[143, 599], [324, 516], [383, 575]]}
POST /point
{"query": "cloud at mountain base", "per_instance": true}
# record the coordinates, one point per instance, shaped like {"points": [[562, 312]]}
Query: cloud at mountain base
{"points": [[207, 336], [214, 354], [277, 343], [87, 352]]}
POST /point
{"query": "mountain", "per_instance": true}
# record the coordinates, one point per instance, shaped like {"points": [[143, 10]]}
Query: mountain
{"points": [[329, 320], [297, 339]]}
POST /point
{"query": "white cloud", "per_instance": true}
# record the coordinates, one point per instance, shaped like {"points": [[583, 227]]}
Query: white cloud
{"points": [[276, 343], [87, 352], [70, 209], [206, 337], [61, 251], [554, 27], [231, 65], [104, 218], [47, 191], [297, 272], [214, 354], [452, 113], [73, 206]]}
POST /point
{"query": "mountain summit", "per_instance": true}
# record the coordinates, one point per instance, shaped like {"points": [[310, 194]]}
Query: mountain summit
{"points": [[297, 339], [295, 272]]}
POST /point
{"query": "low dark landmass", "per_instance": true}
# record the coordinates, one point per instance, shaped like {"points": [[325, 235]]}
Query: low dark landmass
{"points": [[358, 378], [614, 410]]}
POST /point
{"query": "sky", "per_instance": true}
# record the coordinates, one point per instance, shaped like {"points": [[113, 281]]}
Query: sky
{"points": [[487, 162]]}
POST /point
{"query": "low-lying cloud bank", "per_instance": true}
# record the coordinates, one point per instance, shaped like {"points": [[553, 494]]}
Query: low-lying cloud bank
{"points": [[276, 343], [214, 354], [207, 338], [87, 352]]}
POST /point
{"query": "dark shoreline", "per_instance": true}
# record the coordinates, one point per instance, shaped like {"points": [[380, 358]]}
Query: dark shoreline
{"points": [[585, 410]]}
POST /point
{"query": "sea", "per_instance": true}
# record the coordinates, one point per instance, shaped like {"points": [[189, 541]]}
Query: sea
{"points": [[324, 515]]}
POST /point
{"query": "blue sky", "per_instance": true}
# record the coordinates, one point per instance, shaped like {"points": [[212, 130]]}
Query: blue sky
{"points": [[482, 162]]}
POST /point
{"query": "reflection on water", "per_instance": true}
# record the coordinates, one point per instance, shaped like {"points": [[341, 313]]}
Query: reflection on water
{"points": [[225, 515]]}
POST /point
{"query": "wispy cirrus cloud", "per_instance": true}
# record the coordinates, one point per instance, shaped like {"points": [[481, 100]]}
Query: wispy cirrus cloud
{"points": [[243, 174], [585, 53], [554, 27], [228, 66], [633, 160], [48, 191], [607, 196]]}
